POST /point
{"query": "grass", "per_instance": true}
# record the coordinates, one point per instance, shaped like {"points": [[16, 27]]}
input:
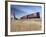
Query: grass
{"points": [[25, 25]]}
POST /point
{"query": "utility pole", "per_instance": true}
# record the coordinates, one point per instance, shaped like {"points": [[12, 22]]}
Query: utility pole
{"points": [[14, 15]]}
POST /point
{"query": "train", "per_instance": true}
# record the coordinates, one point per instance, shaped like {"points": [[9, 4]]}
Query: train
{"points": [[30, 16]]}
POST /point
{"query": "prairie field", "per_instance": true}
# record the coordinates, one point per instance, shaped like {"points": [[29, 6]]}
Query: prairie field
{"points": [[26, 25]]}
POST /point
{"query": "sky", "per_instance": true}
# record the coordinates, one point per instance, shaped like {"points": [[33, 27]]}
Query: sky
{"points": [[22, 10]]}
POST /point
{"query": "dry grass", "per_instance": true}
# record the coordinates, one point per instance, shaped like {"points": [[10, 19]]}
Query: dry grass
{"points": [[25, 25]]}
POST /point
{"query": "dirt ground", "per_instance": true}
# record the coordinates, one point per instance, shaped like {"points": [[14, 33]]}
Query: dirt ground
{"points": [[25, 25]]}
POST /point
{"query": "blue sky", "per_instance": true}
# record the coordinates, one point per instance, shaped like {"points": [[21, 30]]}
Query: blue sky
{"points": [[21, 10]]}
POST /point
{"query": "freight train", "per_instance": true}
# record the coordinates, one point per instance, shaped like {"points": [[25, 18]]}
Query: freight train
{"points": [[33, 15]]}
